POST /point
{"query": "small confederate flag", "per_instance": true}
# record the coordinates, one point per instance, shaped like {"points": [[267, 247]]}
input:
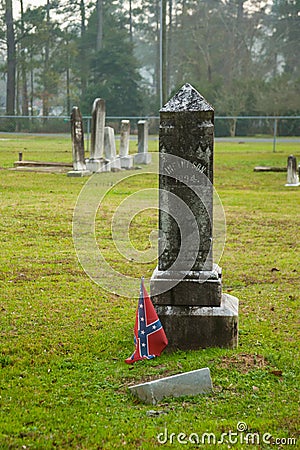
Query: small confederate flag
{"points": [[149, 335]]}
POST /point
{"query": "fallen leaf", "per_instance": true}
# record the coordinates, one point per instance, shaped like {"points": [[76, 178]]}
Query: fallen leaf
{"points": [[277, 373]]}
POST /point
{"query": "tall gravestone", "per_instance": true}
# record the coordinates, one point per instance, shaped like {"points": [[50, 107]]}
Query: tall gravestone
{"points": [[77, 136], [110, 149], [292, 172], [125, 158], [96, 161], [186, 287], [142, 157]]}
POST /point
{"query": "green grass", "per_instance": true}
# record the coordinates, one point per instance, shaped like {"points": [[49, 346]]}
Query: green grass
{"points": [[64, 383]]}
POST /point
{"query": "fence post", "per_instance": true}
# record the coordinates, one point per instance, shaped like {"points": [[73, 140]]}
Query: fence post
{"points": [[88, 134], [274, 135]]}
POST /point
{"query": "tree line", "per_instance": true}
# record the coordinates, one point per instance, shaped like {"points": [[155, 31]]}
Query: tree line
{"points": [[243, 56]]}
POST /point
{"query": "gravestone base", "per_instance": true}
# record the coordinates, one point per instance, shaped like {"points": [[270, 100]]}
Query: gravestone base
{"points": [[79, 173], [195, 327], [292, 184], [197, 288], [95, 165], [105, 168], [126, 162], [115, 164], [142, 158]]}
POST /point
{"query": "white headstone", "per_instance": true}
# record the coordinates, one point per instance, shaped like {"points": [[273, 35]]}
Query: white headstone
{"points": [[124, 138], [292, 173], [97, 129], [110, 148], [126, 159], [142, 157], [96, 162]]}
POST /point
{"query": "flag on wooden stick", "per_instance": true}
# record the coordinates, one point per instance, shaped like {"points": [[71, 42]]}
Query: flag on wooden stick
{"points": [[149, 336]]}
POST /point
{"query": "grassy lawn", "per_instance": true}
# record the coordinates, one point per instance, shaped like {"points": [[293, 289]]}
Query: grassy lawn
{"points": [[64, 383]]}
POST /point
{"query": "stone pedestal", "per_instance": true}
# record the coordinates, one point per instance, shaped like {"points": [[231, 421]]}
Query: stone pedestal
{"points": [[197, 288], [79, 173], [96, 165], [194, 327], [115, 164], [142, 158], [186, 287], [126, 162]]}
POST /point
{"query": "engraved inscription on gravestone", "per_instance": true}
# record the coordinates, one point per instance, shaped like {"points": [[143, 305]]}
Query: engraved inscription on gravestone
{"points": [[188, 136]]}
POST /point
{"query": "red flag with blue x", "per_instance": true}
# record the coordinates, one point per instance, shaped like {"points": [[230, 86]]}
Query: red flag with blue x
{"points": [[149, 336]]}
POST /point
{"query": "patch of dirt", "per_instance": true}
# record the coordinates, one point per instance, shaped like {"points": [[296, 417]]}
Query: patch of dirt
{"points": [[244, 362]]}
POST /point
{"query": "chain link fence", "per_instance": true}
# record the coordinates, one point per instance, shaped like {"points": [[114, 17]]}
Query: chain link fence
{"points": [[225, 126]]}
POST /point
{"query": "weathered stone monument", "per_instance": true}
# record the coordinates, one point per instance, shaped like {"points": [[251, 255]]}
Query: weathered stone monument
{"points": [[186, 287], [142, 157], [77, 135], [110, 152], [292, 172], [96, 162], [126, 159]]}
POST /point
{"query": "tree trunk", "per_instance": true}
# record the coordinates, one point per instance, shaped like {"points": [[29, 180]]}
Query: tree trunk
{"points": [[163, 62], [31, 85], [68, 91], [169, 47], [164, 51], [130, 21], [99, 42], [17, 99], [240, 48], [157, 63], [25, 110], [233, 127], [11, 60], [83, 64], [46, 67]]}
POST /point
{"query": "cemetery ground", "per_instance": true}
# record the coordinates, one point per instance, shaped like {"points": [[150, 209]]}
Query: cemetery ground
{"points": [[64, 383]]}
